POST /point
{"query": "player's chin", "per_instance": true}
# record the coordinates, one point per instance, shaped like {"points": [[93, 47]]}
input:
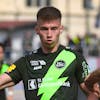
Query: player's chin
{"points": [[50, 45]]}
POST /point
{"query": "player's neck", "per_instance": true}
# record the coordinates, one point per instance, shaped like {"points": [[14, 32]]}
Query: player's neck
{"points": [[50, 49]]}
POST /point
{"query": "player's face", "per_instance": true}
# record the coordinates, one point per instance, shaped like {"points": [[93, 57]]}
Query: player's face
{"points": [[49, 32], [1, 54]]}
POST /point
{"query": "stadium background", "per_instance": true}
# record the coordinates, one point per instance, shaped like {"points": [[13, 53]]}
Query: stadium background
{"points": [[81, 20]]}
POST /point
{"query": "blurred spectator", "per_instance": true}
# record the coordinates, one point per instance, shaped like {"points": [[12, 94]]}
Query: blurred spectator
{"points": [[93, 46], [75, 44], [36, 42], [6, 40], [71, 44], [27, 42], [7, 44], [3, 67], [79, 49], [85, 41], [3, 36]]}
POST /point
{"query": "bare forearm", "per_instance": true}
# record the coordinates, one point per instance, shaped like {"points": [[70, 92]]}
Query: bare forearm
{"points": [[5, 81], [7, 85]]}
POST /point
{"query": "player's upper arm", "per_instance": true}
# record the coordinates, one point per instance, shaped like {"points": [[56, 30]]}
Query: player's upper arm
{"points": [[16, 70], [81, 68]]}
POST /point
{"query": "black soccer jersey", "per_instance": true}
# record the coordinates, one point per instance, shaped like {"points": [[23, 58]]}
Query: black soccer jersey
{"points": [[51, 76]]}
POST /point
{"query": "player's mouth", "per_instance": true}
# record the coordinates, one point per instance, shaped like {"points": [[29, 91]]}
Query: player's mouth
{"points": [[49, 41]]}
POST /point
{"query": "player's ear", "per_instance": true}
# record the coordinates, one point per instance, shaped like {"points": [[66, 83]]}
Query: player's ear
{"points": [[61, 28], [36, 29]]}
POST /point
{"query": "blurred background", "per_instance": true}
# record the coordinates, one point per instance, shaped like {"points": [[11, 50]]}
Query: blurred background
{"points": [[81, 20]]}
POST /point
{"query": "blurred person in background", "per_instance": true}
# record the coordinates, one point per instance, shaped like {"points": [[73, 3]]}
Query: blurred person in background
{"points": [[27, 42], [75, 44], [3, 67], [53, 72], [92, 82]]}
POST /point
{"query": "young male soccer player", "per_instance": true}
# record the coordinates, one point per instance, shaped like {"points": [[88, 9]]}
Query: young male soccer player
{"points": [[53, 72]]}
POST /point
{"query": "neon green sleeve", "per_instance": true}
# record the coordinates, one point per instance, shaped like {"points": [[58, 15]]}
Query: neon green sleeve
{"points": [[4, 68]]}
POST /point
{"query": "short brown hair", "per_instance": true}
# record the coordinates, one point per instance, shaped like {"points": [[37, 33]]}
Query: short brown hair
{"points": [[49, 13], [92, 79]]}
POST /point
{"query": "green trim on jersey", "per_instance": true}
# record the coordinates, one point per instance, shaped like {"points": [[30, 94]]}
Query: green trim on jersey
{"points": [[51, 81], [4, 68]]}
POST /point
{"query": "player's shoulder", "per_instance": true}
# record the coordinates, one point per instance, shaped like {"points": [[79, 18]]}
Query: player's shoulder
{"points": [[31, 54], [67, 48], [77, 54]]}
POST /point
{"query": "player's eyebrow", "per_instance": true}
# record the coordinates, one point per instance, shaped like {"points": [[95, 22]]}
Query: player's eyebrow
{"points": [[46, 28]]}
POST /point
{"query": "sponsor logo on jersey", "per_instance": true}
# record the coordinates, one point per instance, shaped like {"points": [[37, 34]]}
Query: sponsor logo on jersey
{"points": [[60, 64], [11, 68], [32, 84], [36, 83], [37, 64]]}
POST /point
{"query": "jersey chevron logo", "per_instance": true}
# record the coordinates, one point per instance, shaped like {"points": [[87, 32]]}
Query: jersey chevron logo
{"points": [[51, 81]]}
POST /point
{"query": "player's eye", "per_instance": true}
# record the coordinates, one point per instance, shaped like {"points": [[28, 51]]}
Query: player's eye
{"points": [[54, 28], [43, 28]]}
